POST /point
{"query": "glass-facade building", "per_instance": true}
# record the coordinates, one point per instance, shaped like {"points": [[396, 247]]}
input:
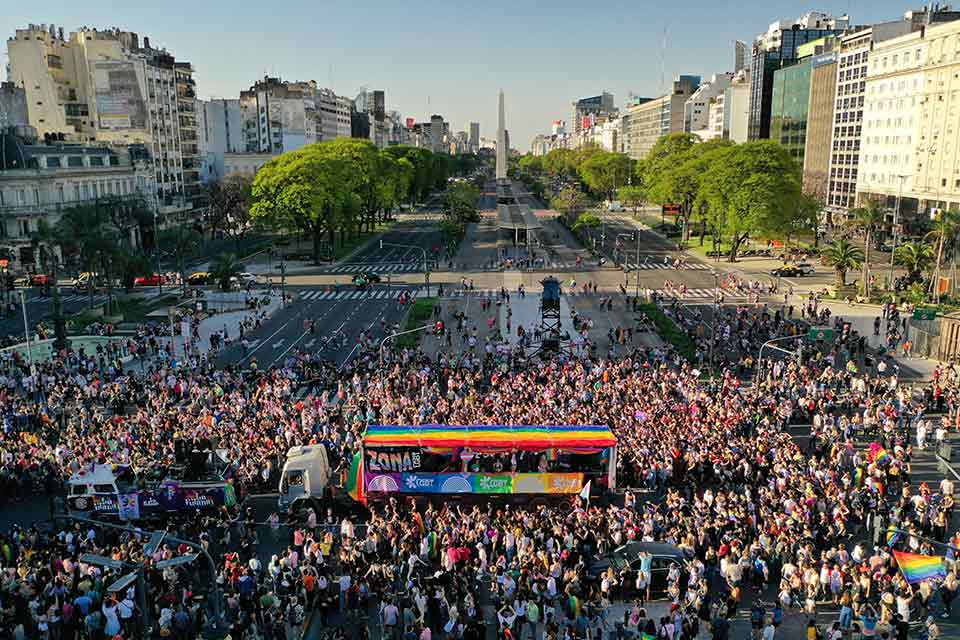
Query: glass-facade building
{"points": [[765, 62]]}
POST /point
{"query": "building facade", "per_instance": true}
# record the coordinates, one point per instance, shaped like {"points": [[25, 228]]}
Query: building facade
{"points": [[104, 86], [736, 108], [696, 110], [651, 119], [474, 137], [587, 110], [38, 182], [220, 131], [776, 49]]}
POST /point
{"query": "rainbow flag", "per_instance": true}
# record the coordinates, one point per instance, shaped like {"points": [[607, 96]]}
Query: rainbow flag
{"points": [[647, 636], [892, 535], [882, 457], [917, 568], [858, 477], [355, 488]]}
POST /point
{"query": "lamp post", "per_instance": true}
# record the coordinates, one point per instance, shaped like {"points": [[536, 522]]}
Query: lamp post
{"points": [[426, 268], [770, 343], [26, 331], [383, 342], [896, 222]]}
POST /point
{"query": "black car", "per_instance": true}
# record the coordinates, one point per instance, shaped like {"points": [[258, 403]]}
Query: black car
{"points": [[363, 280], [663, 556]]}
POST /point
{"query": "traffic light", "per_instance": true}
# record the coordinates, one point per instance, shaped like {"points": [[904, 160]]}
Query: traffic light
{"points": [[438, 328]]}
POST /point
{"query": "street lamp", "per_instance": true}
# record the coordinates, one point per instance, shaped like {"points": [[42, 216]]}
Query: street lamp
{"points": [[426, 268], [770, 344], [383, 342], [896, 221]]}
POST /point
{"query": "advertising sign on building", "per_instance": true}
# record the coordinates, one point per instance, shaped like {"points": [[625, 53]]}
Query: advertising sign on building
{"points": [[120, 103]]}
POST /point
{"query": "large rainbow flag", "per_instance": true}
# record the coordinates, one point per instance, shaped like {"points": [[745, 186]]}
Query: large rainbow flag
{"points": [[492, 437], [917, 567]]}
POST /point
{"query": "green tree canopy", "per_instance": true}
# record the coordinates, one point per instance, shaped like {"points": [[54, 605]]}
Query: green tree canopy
{"points": [[604, 172]]}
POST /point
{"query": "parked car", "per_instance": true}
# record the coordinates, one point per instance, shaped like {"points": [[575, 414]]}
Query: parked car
{"points": [[806, 268], [198, 278], [788, 271], [663, 556], [153, 280], [363, 280], [41, 280]]}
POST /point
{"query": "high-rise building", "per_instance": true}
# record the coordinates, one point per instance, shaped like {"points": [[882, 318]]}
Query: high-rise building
{"points": [[908, 153], [373, 104], [776, 49], [474, 137], [279, 116], [189, 140], [333, 113], [853, 60], [792, 96], [819, 128], [741, 59], [587, 110], [652, 118], [104, 86]]}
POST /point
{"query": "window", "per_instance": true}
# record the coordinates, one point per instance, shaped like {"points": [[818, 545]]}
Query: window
{"points": [[53, 162], [59, 193], [24, 227]]}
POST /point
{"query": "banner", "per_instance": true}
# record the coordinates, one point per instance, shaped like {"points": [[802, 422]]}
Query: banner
{"points": [[479, 483], [492, 483], [394, 459], [129, 506]]}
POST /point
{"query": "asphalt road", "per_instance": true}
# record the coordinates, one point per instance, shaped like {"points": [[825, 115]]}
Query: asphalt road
{"points": [[342, 313], [403, 248]]}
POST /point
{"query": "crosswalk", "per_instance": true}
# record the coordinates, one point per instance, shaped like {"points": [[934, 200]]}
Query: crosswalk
{"points": [[318, 295], [379, 267]]}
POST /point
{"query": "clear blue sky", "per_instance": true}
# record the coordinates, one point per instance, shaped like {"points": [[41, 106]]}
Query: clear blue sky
{"points": [[543, 55]]}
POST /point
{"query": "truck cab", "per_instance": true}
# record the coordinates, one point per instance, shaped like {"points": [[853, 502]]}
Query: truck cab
{"points": [[304, 478]]}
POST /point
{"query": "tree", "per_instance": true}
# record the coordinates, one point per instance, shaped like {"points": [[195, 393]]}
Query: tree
{"points": [[229, 207], [747, 190], [945, 229], [604, 172], [868, 219], [568, 202], [560, 163], [183, 242], [915, 257], [843, 256], [587, 220], [631, 196], [531, 164], [460, 202], [306, 190], [224, 269], [805, 215]]}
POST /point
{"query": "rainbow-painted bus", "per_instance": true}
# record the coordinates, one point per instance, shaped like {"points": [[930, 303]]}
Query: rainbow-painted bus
{"points": [[502, 460]]}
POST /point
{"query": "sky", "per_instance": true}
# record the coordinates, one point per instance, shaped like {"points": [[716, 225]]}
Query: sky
{"points": [[450, 57]]}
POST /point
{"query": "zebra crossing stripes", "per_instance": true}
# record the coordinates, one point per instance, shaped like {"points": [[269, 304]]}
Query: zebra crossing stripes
{"points": [[696, 266], [394, 267], [322, 294]]}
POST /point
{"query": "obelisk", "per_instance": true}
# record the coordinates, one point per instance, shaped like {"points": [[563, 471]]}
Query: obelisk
{"points": [[501, 143]]}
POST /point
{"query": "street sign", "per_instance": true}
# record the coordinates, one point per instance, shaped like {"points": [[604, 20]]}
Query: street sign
{"points": [[154, 542], [926, 313], [820, 334]]}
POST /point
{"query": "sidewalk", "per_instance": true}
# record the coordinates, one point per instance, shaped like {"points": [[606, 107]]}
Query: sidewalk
{"points": [[225, 325]]}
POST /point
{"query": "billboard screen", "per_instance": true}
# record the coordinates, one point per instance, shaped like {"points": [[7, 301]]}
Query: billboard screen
{"points": [[120, 103]]}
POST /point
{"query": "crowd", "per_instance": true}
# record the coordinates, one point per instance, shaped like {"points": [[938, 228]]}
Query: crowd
{"points": [[785, 529]]}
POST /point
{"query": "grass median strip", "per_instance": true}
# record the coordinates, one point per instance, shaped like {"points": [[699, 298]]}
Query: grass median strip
{"points": [[420, 314], [670, 332]]}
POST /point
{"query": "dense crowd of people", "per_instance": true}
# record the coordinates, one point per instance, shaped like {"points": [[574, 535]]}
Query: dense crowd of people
{"points": [[789, 529]]}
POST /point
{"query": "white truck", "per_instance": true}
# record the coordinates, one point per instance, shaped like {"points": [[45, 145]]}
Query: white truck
{"points": [[305, 477]]}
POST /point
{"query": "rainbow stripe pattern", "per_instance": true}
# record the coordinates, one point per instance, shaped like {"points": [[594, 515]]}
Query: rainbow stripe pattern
{"points": [[882, 457], [492, 437], [917, 568]]}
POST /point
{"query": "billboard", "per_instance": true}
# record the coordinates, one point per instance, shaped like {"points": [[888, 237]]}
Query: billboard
{"points": [[120, 103]]}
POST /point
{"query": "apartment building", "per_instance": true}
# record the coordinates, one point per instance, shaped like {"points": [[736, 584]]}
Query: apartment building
{"points": [[652, 118]]}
